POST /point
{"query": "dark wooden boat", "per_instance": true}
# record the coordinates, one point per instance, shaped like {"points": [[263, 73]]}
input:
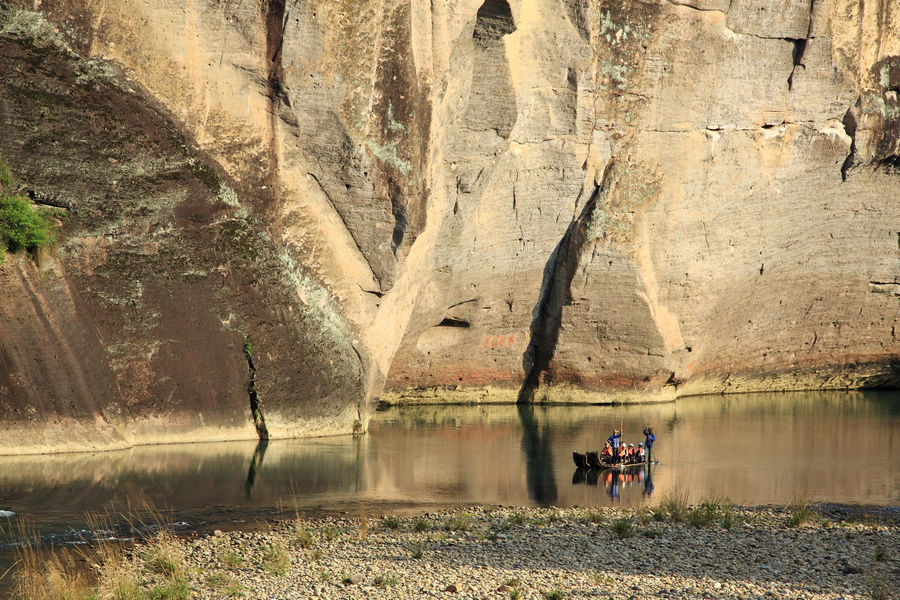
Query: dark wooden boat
{"points": [[591, 460]]}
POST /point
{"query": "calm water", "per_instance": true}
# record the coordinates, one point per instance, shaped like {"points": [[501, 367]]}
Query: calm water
{"points": [[753, 449]]}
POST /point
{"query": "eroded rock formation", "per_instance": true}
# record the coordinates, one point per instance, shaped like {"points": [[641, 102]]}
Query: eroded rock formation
{"points": [[477, 199]]}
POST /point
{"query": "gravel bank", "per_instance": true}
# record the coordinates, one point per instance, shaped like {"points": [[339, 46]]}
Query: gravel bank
{"points": [[492, 552]]}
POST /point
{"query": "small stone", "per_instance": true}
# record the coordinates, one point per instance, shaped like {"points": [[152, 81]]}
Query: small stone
{"points": [[218, 533], [717, 585], [451, 588]]}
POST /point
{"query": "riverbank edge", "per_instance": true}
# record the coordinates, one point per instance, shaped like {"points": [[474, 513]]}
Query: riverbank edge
{"points": [[865, 376], [672, 550]]}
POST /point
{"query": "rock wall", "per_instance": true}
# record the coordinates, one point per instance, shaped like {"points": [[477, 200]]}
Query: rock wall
{"points": [[554, 200]]}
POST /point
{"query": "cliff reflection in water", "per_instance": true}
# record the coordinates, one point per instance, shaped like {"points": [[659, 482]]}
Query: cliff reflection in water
{"points": [[754, 449]]}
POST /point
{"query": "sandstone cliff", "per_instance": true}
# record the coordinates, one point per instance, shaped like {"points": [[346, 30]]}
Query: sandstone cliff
{"points": [[568, 200]]}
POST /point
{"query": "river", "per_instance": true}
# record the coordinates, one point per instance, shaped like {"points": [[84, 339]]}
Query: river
{"points": [[750, 448]]}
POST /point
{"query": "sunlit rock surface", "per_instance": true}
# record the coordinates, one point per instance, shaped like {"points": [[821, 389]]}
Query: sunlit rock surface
{"points": [[473, 199]]}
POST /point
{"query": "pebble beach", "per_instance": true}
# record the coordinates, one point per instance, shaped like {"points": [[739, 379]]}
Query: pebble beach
{"points": [[712, 551]]}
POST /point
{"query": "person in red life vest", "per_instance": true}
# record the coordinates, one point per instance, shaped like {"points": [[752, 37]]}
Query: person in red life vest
{"points": [[607, 453]]}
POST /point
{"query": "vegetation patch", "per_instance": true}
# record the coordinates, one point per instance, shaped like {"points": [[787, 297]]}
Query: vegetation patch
{"points": [[22, 226], [232, 559], [460, 522], [416, 549], [382, 580], [164, 557], [622, 528], [800, 512], [276, 559], [674, 507], [302, 537]]}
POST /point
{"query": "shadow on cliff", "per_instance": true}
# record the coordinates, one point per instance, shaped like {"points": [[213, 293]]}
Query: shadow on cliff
{"points": [[556, 293], [887, 379]]}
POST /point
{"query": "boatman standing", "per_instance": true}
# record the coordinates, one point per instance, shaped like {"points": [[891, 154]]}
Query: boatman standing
{"points": [[649, 438], [614, 442]]}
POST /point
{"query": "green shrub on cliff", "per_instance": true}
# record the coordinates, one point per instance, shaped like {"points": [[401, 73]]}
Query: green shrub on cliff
{"points": [[21, 226]]}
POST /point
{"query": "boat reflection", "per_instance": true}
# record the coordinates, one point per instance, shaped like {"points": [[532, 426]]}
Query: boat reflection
{"points": [[617, 479]]}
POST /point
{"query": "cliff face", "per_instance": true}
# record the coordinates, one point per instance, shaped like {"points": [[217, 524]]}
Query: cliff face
{"points": [[555, 199]]}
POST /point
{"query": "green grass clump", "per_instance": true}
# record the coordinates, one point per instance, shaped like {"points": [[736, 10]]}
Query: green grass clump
{"points": [[675, 507], [171, 589], [594, 516], [276, 559], [623, 528], [801, 512], [554, 595], [382, 580], [163, 556], [225, 585], [516, 519], [703, 516], [416, 549], [232, 559], [302, 537], [421, 524], [390, 522], [460, 522]]}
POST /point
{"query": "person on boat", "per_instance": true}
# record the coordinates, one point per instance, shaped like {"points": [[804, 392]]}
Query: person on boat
{"points": [[623, 454], [631, 453], [641, 452], [613, 441], [607, 454], [649, 438]]}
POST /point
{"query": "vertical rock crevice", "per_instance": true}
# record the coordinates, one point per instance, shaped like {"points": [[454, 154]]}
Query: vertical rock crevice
{"points": [[800, 47], [273, 17], [849, 122], [255, 410], [492, 99], [556, 292]]}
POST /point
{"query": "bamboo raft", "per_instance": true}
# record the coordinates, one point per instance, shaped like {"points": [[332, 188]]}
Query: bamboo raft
{"points": [[592, 460]]}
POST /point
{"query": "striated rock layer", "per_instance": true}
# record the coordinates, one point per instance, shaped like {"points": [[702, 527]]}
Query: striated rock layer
{"points": [[561, 200]]}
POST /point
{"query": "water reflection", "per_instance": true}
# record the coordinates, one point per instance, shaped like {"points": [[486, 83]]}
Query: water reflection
{"points": [[841, 447], [537, 447], [255, 465]]}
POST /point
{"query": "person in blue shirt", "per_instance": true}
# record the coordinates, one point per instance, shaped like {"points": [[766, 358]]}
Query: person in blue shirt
{"points": [[649, 438], [614, 442]]}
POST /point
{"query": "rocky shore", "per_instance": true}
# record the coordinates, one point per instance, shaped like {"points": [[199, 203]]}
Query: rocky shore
{"points": [[672, 551]]}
